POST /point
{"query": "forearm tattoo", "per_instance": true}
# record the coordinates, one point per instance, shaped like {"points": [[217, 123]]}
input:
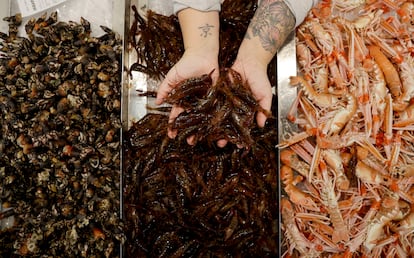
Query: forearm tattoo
{"points": [[205, 30], [272, 23]]}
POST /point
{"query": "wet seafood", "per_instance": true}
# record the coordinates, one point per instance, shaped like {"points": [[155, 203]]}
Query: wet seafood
{"points": [[60, 139], [157, 41], [355, 116], [201, 200]]}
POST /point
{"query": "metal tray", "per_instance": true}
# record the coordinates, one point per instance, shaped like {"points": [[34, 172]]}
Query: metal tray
{"points": [[135, 106], [286, 67], [113, 17], [4, 11]]}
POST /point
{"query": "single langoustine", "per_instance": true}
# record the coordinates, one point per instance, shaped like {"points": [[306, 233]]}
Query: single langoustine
{"points": [[334, 161], [329, 199], [296, 238], [341, 116], [323, 100], [296, 195], [391, 75], [389, 211]]}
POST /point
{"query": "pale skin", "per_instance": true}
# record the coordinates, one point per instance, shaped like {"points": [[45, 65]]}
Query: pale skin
{"points": [[267, 31]]}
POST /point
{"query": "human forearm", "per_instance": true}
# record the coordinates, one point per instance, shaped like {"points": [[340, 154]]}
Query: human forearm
{"points": [[267, 31], [269, 28], [200, 30]]}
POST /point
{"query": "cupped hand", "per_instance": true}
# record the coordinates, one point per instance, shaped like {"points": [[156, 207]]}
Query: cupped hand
{"points": [[254, 73], [193, 63]]}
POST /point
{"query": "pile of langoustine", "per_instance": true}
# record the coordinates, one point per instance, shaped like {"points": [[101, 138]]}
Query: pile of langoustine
{"points": [[202, 200], [348, 172]]}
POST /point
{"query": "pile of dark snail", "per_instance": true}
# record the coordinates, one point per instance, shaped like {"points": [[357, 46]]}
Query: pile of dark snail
{"points": [[201, 200], [60, 101]]}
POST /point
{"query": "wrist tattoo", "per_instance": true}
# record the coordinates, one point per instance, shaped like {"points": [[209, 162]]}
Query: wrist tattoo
{"points": [[272, 23], [205, 30]]}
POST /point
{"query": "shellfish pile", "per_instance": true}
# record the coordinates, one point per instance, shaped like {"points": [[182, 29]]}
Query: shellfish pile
{"points": [[348, 173], [203, 201], [199, 200], [60, 139]]}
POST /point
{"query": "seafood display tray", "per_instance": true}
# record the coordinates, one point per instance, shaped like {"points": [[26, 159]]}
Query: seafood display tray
{"points": [[110, 15], [134, 105]]}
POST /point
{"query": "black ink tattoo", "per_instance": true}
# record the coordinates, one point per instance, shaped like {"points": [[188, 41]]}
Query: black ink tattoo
{"points": [[272, 23], [205, 30]]}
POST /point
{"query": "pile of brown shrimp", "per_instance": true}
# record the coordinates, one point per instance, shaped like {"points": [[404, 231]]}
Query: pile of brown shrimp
{"points": [[348, 173], [201, 200]]}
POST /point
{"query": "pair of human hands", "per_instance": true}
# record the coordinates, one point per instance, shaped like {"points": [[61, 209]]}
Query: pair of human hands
{"points": [[195, 63]]}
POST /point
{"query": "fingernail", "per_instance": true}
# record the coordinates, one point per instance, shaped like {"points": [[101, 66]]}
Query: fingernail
{"points": [[221, 143], [191, 140], [172, 133]]}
